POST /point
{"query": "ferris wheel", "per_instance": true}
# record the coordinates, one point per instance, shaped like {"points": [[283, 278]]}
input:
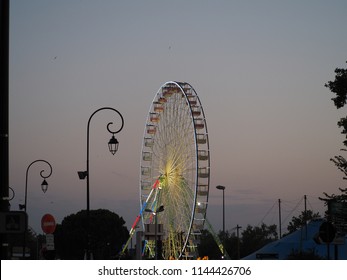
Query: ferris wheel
{"points": [[175, 169]]}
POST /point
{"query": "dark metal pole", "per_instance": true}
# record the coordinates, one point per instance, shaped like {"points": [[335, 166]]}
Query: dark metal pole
{"points": [[27, 176], [4, 112], [238, 241], [223, 215], [88, 226], [26, 193], [223, 236], [88, 197], [280, 219], [305, 199]]}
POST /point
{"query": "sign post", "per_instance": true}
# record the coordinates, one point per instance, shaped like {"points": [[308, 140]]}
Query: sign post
{"points": [[48, 226]]}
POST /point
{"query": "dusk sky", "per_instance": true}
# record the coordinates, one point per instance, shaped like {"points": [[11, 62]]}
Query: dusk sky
{"points": [[258, 67]]}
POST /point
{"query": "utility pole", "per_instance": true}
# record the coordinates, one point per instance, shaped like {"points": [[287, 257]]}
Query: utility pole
{"points": [[305, 217], [280, 219], [238, 241]]}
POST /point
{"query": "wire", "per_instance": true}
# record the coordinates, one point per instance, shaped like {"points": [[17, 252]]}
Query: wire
{"points": [[295, 208], [267, 213]]}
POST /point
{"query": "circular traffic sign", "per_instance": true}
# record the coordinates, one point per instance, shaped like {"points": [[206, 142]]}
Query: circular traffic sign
{"points": [[327, 232], [48, 224]]}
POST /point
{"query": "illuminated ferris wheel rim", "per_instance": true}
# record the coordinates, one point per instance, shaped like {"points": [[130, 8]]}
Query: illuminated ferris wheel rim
{"points": [[200, 147], [199, 122]]}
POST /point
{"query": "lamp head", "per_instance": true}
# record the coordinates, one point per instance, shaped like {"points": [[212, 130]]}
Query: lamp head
{"points": [[44, 186], [113, 145]]}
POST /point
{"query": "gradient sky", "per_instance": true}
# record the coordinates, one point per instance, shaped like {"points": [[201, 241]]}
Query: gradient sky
{"points": [[259, 68]]}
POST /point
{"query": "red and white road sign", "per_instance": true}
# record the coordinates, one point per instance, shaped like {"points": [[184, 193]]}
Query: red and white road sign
{"points": [[48, 224]]}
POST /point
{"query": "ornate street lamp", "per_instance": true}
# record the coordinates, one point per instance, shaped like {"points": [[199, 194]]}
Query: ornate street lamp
{"points": [[44, 184], [44, 187], [113, 148]]}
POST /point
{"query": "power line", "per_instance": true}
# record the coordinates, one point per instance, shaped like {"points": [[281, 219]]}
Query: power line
{"points": [[295, 208], [262, 220]]}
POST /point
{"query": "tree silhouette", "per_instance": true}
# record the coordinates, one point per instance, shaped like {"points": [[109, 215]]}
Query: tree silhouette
{"points": [[339, 88], [254, 238], [107, 235], [208, 246], [251, 239], [298, 222]]}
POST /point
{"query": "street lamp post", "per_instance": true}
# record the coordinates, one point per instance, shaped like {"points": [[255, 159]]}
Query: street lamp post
{"points": [[44, 187], [160, 209], [223, 188], [113, 147]]}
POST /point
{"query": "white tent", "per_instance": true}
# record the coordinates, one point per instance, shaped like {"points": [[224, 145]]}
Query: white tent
{"points": [[302, 241]]}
